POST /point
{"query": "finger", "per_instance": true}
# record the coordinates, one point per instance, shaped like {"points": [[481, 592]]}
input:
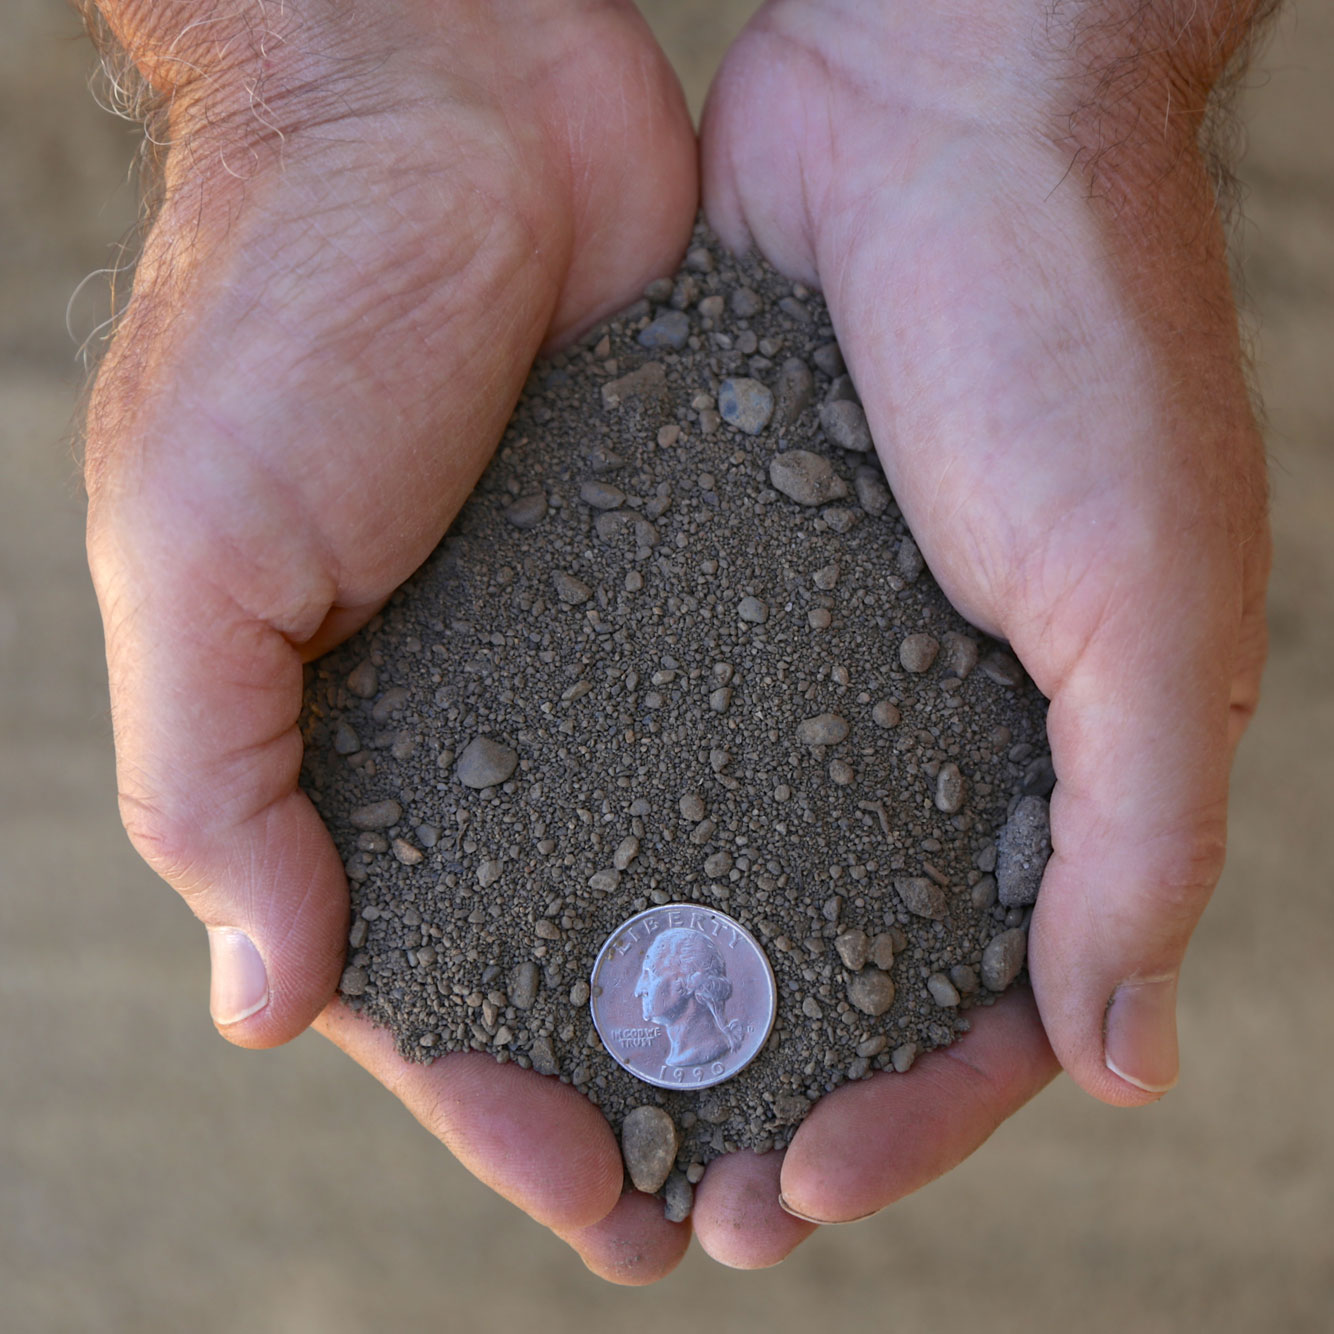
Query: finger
{"points": [[737, 1216], [870, 1143], [531, 1139], [634, 1244], [1140, 734]]}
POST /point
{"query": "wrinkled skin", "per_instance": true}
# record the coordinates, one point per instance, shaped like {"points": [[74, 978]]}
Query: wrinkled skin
{"points": [[357, 258]]}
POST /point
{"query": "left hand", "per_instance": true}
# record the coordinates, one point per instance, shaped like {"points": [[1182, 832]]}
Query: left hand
{"points": [[1046, 344]]}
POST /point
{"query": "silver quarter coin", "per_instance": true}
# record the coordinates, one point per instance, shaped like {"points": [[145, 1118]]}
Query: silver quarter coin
{"points": [[682, 996]]}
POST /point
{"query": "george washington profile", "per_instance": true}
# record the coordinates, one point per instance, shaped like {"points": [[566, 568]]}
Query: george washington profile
{"points": [[683, 986]]}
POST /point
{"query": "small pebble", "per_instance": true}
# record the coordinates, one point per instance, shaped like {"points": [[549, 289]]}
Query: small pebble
{"points": [[903, 1057], [745, 303], [829, 359], [825, 729], [528, 511], [922, 897], [807, 478], [626, 851], [918, 652], [745, 404], [841, 773], [1003, 958], [648, 1145], [678, 1197], [602, 495], [844, 422], [1022, 850], [943, 991], [882, 950], [671, 330], [949, 789], [819, 618], [753, 611], [961, 652], [908, 560], [523, 984], [871, 991], [886, 714], [363, 680], [872, 493], [853, 949], [485, 762], [691, 806], [376, 815], [569, 589]]}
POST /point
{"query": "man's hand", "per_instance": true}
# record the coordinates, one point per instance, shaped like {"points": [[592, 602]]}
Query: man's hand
{"points": [[1008, 212], [373, 216]]}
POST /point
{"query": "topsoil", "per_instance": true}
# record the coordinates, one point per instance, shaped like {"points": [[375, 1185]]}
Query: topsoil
{"points": [[679, 646]]}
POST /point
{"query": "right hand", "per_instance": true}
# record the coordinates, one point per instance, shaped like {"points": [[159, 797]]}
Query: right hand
{"points": [[367, 232]]}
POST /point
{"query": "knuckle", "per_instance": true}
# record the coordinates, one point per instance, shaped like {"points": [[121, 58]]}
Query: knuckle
{"points": [[167, 840]]}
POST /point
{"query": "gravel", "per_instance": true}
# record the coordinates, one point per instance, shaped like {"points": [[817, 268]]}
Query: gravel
{"points": [[678, 646]]}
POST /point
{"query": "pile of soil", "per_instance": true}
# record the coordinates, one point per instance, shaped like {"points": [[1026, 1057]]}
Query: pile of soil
{"points": [[679, 646]]}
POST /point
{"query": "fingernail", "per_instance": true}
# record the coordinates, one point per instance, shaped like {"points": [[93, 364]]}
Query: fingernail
{"points": [[820, 1222], [1140, 1034], [240, 985]]}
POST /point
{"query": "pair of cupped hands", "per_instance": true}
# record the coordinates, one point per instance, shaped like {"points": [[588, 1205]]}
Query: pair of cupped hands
{"points": [[374, 217]]}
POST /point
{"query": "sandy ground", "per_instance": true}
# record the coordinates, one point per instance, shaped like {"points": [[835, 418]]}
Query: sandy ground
{"points": [[154, 1179]]}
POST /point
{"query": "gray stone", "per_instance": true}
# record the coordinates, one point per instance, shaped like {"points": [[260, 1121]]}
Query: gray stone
{"points": [[1003, 958], [1022, 851], [648, 1145], [903, 1057], [670, 329], [745, 303], [718, 865], [745, 404], [626, 851], [871, 991], [795, 388], [961, 652], [829, 359], [753, 610], [602, 495], [882, 951], [569, 589], [853, 949], [611, 525], [921, 896], [844, 423], [354, 982], [363, 680], [646, 382], [524, 981], [807, 478], [908, 560], [528, 511], [872, 493], [886, 714], [949, 789], [918, 652], [1003, 668], [376, 815], [943, 991], [543, 1056], [484, 763], [346, 741], [825, 729], [678, 1198]]}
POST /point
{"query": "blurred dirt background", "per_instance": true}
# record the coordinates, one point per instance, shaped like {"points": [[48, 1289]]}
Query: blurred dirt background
{"points": [[154, 1179]]}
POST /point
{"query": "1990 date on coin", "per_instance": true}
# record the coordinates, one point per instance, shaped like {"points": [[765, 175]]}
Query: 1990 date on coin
{"points": [[682, 996]]}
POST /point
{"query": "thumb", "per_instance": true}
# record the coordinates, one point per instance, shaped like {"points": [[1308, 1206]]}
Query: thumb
{"points": [[1142, 727], [205, 699]]}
